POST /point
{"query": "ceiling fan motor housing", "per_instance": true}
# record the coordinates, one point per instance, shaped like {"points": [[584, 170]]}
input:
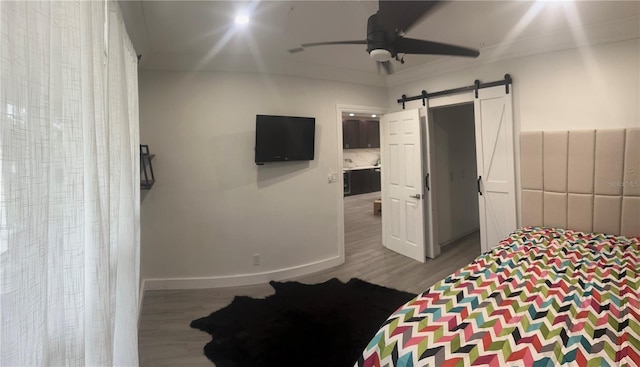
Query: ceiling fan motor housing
{"points": [[378, 42]]}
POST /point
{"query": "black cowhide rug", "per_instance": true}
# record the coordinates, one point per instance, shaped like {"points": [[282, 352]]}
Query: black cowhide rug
{"points": [[327, 324]]}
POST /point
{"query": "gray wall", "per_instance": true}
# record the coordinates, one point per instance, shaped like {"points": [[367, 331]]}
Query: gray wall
{"points": [[212, 208], [593, 87]]}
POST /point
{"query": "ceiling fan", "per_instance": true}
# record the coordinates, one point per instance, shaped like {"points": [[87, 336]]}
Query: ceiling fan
{"points": [[385, 34]]}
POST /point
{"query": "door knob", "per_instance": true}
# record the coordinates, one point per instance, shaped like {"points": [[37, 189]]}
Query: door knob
{"points": [[416, 196]]}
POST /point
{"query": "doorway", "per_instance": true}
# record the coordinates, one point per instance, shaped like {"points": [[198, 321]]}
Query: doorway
{"points": [[409, 162], [358, 133], [455, 173], [361, 175]]}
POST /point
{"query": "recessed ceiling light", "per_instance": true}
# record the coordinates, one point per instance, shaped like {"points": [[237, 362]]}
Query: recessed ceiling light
{"points": [[373, 115], [352, 114], [242, 19]]}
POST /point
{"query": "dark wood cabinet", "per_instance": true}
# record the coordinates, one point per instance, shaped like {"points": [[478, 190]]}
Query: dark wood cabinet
{"points": [[372, 134], [363, 134], [359, 181], [376, 180], [358, 134], [364, 180], [350, 134]]}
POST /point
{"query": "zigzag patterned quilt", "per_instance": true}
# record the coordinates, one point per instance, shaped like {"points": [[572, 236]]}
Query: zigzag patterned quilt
{"points": [[542, 297]]}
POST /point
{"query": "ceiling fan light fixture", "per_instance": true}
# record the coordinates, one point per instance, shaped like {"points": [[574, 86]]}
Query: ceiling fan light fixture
{"points": [[241, 19], [380, 55]]}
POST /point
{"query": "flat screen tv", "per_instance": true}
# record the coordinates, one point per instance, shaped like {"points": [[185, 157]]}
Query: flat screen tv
{"points": [[284, 138]]}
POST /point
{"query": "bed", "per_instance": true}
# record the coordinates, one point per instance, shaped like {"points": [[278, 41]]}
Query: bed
{"points": [[544, 296]]}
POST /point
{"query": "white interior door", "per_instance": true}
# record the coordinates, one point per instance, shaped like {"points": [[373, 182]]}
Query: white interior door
{"points": [[402, 182], [494, 153]]}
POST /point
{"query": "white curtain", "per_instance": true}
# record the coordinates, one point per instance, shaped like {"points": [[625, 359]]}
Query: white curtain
{"points": [[69, 185]]}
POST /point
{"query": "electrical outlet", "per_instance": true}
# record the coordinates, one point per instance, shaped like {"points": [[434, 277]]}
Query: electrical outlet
{"points": [[256, 259]]}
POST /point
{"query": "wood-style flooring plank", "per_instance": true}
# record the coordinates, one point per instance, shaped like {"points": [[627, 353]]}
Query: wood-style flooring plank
{"points": [[165, 338]]}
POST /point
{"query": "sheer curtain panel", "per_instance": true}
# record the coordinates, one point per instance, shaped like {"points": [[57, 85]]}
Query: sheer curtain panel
{"points": [[69, 185]]}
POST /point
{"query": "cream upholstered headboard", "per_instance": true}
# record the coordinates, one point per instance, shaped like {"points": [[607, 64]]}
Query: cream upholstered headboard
{"points": [[582, 180]]}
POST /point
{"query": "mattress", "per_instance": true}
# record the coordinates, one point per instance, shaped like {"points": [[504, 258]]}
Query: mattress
{"points": [[542, 297]]}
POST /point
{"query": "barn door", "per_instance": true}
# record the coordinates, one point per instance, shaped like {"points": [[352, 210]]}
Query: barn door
{"points": [[495, 161]]}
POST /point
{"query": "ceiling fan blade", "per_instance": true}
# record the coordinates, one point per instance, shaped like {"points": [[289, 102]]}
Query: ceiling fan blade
{"points": [[422, 47], [387, 67], [399, 16], [305, 45]]}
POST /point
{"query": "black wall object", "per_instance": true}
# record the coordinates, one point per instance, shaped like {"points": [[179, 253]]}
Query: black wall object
{"points": [[475, 87], [284, 138], [147, 179]]}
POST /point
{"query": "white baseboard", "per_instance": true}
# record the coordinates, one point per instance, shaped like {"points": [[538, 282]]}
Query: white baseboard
{"points": [[240, 279], [140, 299]]}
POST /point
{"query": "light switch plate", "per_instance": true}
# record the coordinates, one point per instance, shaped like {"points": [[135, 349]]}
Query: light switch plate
{"points": [[333, 177]]}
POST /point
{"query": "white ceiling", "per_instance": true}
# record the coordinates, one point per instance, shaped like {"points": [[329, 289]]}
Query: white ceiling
{"points": [[201, 35]]}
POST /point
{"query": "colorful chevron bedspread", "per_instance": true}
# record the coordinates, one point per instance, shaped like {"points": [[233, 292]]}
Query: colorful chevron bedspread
{"points": [[542, 297]]}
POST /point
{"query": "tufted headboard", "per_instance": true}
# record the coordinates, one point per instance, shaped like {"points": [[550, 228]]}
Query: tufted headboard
{"points": [[585, 180]]}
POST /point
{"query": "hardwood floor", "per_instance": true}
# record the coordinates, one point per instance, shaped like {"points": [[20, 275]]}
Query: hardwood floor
{"points": [[165, 338]]}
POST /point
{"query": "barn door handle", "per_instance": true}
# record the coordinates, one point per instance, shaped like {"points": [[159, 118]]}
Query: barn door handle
{"points": [[426, 182], [479, 180]]}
